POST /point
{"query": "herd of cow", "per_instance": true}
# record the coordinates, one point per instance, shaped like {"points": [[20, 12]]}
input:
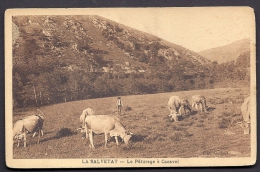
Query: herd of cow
{"points": [[110, 124]]}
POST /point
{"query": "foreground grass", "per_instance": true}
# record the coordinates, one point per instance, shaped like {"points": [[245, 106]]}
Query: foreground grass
{"points": [[215, 134]]}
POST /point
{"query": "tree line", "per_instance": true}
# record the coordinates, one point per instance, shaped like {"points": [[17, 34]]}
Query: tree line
{"points": [[38, 88]]}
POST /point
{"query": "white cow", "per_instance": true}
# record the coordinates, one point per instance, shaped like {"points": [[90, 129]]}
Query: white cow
{"points": [[245, 109], [105, 124], [201, 101], [30, 124], [175, 104]]}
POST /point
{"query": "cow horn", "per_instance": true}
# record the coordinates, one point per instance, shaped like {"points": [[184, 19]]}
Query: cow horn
{"points": [[40, 111], [79, 129]]}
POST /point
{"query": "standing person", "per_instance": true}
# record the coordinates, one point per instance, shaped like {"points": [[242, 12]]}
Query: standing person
{"points": [[119, 105]]}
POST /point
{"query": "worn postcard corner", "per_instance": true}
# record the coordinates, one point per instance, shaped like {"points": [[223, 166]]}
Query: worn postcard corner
{"points": [[130, 87]]}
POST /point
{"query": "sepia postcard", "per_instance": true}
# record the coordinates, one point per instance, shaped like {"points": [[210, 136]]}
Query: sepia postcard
{"points": [[130, 87]]}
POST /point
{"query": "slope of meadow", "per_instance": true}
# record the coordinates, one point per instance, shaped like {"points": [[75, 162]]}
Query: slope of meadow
{"points": [[228, 52], [215, 134]]}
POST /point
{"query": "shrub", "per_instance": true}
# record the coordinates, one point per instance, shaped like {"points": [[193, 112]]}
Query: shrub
{"points": [[235, 114], [194, 118], [154, 115], [155, 137], [203, 115], [177, 128], [190, 123], [186, 134], [224, 123], [176, 136], [226, 114], [128, 108], [64, 132], [216, 101], [210, 118], [199, 125], [201, 120]]}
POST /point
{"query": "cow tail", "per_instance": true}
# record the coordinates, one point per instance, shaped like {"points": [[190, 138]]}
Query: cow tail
{"points": [[41, 112], [116, 118], [205, 104]]}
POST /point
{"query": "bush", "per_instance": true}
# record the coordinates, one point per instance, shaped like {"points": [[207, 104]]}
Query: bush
{"points": [[201, 120], [128, 108], [199, 125], [64, 132], [203, 115], [224, 123], [210, 118], [177, 128], [235, 114], [194, 118], [176, 136], [154, 115], [226, 114], [190, 123]]}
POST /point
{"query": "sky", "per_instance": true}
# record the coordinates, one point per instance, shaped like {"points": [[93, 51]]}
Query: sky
{"points": [[197, 28]]}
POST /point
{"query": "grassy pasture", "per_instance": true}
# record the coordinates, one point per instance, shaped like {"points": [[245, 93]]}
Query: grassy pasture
{"points": [[215, 134]]}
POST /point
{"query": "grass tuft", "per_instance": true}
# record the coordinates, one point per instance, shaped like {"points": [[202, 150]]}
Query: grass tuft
{"points": [[224, 123], [64, 132], [199, 125], [176, 136], [128, 108]]}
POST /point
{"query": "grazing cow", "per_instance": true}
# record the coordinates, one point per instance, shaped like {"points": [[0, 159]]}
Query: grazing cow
{"points": [[245, 109], [175, 104], [199, 100], [30, 124], [104, 124]]}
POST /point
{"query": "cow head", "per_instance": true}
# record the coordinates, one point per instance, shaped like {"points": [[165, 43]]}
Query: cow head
{"points": [[18, 137], [174, 116], [245, 126], [83, 131], [127, 136]]}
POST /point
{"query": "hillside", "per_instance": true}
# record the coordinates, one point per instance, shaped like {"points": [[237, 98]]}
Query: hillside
{"points": [[212, 135], [92, 43], [65, 58], [228, 52]]}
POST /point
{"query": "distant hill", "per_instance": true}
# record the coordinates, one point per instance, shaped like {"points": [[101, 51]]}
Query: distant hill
{"points": [[228, 52]]}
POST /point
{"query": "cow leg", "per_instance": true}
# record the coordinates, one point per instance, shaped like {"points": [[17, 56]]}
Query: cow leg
{"points": [[105, 140], [39, 135], [196, 105], [24, 139], [86, 131], [201, 108], [204, 107], [18, 142], [180, 110], [116, 140], [186, 110], [91, 139]]}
